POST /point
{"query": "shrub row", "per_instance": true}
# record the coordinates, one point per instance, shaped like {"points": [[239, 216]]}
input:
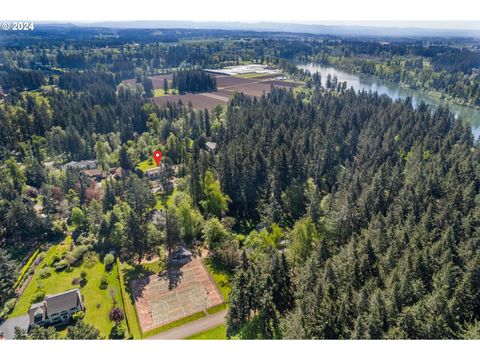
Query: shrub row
{"points": [[216, 308], [125, 298], [25, 269]]}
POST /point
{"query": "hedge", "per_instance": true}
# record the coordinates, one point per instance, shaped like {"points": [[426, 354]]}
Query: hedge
{"points": [[216, 308], [25, 268], [134, 331]]}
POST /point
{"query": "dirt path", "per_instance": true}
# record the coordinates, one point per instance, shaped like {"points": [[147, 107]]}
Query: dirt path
{"points": [[192, 328]]}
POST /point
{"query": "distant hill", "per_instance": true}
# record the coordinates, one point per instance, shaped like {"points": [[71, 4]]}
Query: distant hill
{"points": [[338, 30]]}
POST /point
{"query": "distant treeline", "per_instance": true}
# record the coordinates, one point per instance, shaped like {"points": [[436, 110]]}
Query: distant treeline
{"points": [[11, 78]]}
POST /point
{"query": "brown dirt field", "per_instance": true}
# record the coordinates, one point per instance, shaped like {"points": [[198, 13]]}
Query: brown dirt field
{"points": [[227, 85], [228, 93], [255, 89], [218, 96], [224, 81], [281, 83], [130, 82], [157, 81], [163, 298]]}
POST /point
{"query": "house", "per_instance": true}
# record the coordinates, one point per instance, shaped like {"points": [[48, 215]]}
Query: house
{"points": [[95, 174], [84, 164], [181, 255], [153, 173], [158, 218], [56, 309], [118, 172], [210, 146]]}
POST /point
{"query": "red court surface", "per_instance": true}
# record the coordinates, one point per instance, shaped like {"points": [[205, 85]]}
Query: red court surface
{"points": [[163, 298]]}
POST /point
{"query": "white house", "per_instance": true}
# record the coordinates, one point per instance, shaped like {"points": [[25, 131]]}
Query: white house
{"points": [[56, 309]]}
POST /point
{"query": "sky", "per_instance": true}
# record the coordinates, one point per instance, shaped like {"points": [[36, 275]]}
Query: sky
{"points": [[346, 12]]}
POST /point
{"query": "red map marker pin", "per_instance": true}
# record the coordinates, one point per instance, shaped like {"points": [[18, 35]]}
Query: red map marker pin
{"points": [[157, 156]]}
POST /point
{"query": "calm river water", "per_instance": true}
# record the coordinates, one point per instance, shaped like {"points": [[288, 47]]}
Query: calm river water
{"points": [[395, 91]]}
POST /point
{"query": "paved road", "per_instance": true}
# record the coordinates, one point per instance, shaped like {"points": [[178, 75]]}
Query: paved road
{"points": [[192, 328], [8, 327]]}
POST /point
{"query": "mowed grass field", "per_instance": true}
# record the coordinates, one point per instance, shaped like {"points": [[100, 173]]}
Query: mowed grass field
{"points": [[161, 92], [220, 275], [146, 164], [98, 302], [216, 333]]}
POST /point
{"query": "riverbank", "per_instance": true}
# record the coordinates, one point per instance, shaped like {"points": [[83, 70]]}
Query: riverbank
{"points": [[360, 82], [355, 68]]}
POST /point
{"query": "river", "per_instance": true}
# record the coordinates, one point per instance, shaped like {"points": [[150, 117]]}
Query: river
{"points": [[395, 91]]}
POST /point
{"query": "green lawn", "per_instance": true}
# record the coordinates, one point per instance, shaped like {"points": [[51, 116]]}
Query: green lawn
{"points": [[147, 164], [161, 92], [98, 303], [220, 275], [159, 205], [216, 333], [130, 312], [170, 197], [251, 75]]}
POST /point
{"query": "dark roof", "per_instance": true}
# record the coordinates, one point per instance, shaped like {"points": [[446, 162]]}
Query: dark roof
{"points": [[62, 301], [94, 173], [181, 251], [119, 172], [158, 217], [89, 164], [154, 170]]}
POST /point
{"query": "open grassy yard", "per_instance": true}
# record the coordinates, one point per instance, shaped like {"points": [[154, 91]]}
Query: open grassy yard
{"points": [[159, 205], [98, 302], [220, 275], [161, 92], [170, 197], [216, 333], [146, 164]]}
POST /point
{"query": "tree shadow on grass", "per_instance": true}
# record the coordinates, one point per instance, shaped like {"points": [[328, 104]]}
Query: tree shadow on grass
{"points": [[217, 267]]}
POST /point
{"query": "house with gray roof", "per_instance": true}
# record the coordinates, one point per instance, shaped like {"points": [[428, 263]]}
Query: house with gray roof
{"points": [[181, 255], [82, 165], [56, 309], [154, 173]]}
